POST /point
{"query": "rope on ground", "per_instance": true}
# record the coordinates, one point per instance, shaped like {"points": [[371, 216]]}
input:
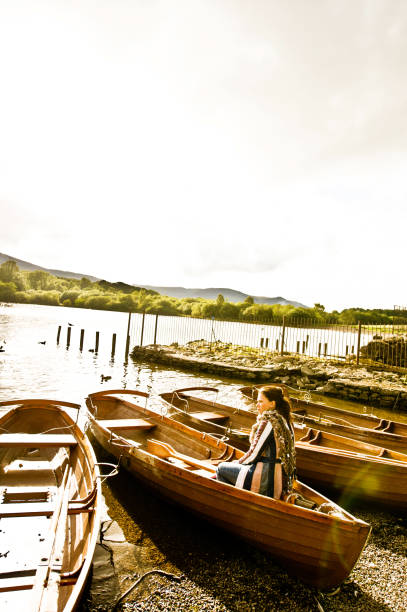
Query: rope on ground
{"points": [[133, 586]]}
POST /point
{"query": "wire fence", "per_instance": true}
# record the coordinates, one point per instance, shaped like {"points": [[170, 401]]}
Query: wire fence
{"points": [[359, 344]]}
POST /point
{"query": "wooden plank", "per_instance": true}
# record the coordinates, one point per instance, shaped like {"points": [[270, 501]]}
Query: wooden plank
{"points": [[208, 416], [17, 583], [58, 522], [36, 440], [27, 509], [49, 601], [126, 424], [12, 494]]}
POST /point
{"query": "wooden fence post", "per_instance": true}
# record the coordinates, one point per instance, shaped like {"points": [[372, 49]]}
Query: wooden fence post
{"points": [[68, 336], [142, 329], [358, 344], [97, 342], [155, 329], [59, 333], [282, 337], [113, 345]]}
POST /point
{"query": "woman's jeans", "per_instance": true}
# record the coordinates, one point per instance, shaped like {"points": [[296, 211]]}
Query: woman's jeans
{"points": [[228, 472]]}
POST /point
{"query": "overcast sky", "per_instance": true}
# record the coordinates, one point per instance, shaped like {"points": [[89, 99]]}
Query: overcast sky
{"points": [[254, 145]]}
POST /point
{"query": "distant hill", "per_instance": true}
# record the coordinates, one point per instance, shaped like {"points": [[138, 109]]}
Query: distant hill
{"points": [[26, 265], [178, 292], [212, 293]]}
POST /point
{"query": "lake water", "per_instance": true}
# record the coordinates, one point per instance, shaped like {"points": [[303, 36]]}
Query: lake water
{"points": [[61, 372], [56, 371]]}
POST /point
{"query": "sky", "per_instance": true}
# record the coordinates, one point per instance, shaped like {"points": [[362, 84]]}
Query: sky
{"points": [[259, 146]]}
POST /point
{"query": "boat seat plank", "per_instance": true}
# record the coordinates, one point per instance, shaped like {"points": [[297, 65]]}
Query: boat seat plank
{"points": [[126, 424], [12, 494], [28, 509], [16, 584], [36, 440], [209, 416]]}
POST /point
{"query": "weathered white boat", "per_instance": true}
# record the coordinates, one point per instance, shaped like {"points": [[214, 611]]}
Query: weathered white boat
{"points": [[49, 507]]}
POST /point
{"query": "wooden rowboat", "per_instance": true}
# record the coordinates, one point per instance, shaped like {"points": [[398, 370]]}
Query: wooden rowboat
{"points": [[178, 461], [49, 506], [354, 469], [365, 427]]}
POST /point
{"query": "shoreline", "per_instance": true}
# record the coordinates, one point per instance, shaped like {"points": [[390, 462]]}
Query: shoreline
{"points": [[378, 388]]}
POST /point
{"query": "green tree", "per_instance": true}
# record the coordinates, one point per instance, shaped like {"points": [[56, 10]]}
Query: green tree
{"points": [[7, 292], [229, 311], [39, 279], [69, 297], [8, 271], [85, 283]]}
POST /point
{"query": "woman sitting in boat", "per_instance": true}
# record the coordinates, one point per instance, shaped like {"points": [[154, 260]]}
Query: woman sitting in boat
{"points": [[268, 467]]}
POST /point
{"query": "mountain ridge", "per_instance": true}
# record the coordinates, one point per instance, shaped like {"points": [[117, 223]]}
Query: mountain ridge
{"points": [[28, 266], [209, 293]]}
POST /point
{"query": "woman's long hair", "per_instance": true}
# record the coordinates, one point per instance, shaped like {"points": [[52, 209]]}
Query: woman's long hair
{"points": [[276, 394]]}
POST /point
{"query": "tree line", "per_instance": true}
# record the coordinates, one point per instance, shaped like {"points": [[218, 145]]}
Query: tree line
{"points": [[40, 287]]}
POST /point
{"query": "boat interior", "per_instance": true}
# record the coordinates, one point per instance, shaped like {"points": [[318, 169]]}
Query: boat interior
{"points": [[305, 408], [126, 419], [47, 486], [220, 420], [316, 437]]}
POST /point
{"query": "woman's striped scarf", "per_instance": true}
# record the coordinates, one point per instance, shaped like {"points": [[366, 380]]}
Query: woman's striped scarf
{"points": [[285, 439]]}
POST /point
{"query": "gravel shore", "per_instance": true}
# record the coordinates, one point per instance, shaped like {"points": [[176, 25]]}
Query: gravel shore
{"points": [[219, 573]]}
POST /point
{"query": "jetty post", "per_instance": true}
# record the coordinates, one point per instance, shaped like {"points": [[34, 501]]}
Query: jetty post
{"points": [[97, 342], [81, 339], [59, 333], [68, 337], [113, 345]]}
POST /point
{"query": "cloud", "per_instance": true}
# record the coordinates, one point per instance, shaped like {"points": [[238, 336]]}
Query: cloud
{"points": [[258, 146]]}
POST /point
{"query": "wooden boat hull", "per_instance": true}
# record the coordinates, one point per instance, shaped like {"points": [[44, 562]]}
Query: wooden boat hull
{"points": [[350, 468], [321, 549], [50, 499], [364, 427]]}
